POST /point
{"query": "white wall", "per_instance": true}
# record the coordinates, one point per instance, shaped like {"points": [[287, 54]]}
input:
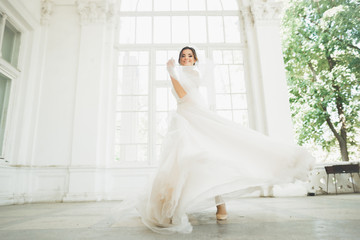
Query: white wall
{"points": [[61, 131], [53, 135]]}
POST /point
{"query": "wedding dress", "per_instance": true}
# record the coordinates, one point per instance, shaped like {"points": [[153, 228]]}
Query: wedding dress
{"points": [[204, 155]]}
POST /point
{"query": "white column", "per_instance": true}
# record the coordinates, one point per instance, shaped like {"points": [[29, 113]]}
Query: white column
{"points": [[254, 85], [272, 71], [88, 157]]}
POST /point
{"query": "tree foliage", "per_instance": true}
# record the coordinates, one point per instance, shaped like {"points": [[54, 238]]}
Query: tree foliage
{"points": [[321, 43]]}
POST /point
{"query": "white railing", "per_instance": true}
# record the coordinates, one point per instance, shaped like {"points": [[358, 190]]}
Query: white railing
{"points": [[322, 183]]}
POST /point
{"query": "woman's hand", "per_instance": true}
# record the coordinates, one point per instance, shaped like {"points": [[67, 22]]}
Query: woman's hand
{"points": [[170, 64]]}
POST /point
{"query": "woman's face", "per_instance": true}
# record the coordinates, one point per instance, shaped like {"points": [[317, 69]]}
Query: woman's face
{"points": [[187, 58]]}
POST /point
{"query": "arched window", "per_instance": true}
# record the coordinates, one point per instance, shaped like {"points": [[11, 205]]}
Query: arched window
{"points": [[149, 33]]}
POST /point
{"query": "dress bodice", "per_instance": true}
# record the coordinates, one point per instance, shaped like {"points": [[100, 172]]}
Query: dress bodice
{"points": [[189, 78]]}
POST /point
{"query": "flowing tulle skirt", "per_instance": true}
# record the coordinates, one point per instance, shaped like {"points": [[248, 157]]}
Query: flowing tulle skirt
{"points": [[204, 155]]}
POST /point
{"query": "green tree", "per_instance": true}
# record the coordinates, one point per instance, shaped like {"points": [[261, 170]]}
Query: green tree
{"points": [[321, 44]]}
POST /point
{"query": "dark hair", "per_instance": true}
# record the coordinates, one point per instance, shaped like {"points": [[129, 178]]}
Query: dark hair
{"points": [[190, 48]]}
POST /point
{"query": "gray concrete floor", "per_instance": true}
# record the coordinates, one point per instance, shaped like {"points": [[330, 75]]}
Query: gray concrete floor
{"points": [[318, 217]]}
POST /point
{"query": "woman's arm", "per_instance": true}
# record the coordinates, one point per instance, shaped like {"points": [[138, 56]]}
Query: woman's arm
{"points": [[177, 86]]}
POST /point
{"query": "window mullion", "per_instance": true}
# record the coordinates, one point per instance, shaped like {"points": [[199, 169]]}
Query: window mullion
{"points": [[180, 13], [136, 19], [223, 22], [171, 28], [207, 27], [152, 110], [230, 88]]}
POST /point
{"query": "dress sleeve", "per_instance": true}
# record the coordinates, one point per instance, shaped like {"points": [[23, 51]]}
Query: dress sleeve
{"points": [[188, 80], [177, 87]]}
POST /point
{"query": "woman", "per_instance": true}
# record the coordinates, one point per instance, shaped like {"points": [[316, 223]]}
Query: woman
{"points": [[205, 156]]}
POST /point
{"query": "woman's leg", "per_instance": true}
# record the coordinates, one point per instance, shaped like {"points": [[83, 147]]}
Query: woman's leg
{"points": [[221, 213], [219, 200]]}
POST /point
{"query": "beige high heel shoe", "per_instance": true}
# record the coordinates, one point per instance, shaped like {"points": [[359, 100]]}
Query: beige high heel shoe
{"points": [[221, 216]]}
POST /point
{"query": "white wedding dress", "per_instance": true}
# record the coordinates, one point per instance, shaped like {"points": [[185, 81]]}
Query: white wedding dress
{"points": [[204, 155]]}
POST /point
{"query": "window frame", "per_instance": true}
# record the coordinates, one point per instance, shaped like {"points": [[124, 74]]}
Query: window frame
{"points": [[9, 70], [152, 47]]}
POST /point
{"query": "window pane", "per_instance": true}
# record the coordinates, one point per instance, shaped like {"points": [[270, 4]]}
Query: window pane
{"points": [[131, 153], [223, 101], [198, 29], [143, 58], [179, 5], [213, 5], [217, 57], [143, 30], [180, 30], [117, 152], [132, 107], [173, 54], [123, 59], [201, 53], [222, 84], [132, 103], [142, 152], [161, 57], [127, 30], [198, 5], [9, 45], [162, 99], [144, 5], [128, 5], [161, 5], [162, 29], [238, 57], [237, 79], [143, 80], [239, 101], [4, 102], [127, 153], [232, 29], [133, 127], [230, 4], [215, 28], [133, 80], [228, 58], [134, 58], [161, 73]]}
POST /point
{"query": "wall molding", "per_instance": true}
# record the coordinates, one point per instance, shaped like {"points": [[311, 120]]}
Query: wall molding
{"points": [[26, 184], [96, 11], [266, 12], [46, 11], [30, 184]]}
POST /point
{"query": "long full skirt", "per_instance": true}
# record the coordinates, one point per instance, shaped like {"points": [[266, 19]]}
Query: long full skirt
{"points": [[203, 156]]}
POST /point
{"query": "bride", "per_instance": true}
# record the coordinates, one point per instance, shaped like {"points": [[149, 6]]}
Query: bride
{"points": [[206, 157]]}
